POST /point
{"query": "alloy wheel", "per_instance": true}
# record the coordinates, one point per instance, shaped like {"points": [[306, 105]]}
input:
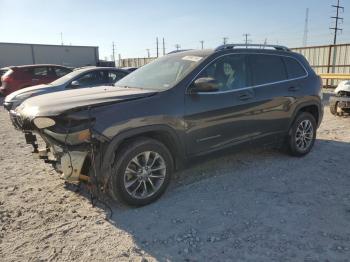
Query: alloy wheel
{"points": [[144, 174]]}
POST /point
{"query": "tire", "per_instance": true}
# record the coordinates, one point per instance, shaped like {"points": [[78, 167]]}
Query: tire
{"points": [[126, 170], [333, 108], [296, 144]]}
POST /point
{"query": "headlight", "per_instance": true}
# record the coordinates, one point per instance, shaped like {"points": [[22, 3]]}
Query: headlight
{"points": [[74, 138], [44, 122]]}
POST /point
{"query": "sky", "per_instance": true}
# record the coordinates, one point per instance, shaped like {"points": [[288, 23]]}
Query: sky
{"points": [[134, 25]]}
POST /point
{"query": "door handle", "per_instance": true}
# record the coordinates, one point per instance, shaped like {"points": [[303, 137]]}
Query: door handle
{"points": [[293, 89], [245, 96]]}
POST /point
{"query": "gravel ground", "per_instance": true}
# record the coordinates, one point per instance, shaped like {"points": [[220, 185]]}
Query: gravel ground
{"points": [[257, 205]]}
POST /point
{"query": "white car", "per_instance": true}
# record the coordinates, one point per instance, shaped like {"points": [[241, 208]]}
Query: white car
{"points": [[340, 103]]}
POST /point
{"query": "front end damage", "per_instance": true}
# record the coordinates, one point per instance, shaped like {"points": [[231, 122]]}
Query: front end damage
{"points": [[68, 142], [340, 103]]}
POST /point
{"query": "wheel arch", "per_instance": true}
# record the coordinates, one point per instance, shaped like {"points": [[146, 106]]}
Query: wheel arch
{"points": [[162, 133], [313, 108]]}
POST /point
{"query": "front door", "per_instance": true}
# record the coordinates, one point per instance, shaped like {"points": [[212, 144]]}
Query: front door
{"points": [[222, 118]]}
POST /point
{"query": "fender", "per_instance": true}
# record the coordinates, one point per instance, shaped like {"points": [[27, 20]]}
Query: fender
{"points": [[118, 139], [305, 104]]}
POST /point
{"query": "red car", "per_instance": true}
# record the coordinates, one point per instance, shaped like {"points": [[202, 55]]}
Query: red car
{"points": [[14, 78]]}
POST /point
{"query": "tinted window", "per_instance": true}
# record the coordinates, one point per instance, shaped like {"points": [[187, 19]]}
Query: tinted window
{"points": [[294, 68], [40, 71], [228, 71], [60, 71], [115, 76], [267, 69], [87, 79]]}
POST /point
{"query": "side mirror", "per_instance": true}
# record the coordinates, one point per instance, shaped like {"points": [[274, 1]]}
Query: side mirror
{"points": [[75, 84], [205, 84]]}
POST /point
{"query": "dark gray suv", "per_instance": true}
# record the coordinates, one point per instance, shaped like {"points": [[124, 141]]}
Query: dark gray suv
{"points": [[128, 140]]}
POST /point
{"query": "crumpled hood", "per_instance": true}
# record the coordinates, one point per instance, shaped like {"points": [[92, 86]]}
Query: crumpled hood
{"points": [[343, 86], [28, 90], [58, 102]]}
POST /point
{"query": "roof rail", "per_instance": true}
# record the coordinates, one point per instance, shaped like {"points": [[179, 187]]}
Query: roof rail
{"points": [[178, 51], [261, 46]]}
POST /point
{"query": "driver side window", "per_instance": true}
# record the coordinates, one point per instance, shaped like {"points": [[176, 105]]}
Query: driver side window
{"points": [[87, 79], [229, 72]]}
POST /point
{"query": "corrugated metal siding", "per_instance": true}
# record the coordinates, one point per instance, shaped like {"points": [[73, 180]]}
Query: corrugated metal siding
{"points": [[135, 62], [328, 59], [24, 54]]}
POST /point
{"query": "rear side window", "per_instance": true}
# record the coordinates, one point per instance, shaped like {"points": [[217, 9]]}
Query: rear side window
{"points": [[294, 68], [40, 71], [60, 71], [267, 69], [115, 76]]}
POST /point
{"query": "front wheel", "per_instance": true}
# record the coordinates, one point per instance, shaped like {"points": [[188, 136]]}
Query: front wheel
{"points": [[141, 172], [302, 134]]}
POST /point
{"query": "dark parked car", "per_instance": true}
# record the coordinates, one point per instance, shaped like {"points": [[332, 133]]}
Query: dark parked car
{"points": [[129, 140], [79, 78], [18, 77]]}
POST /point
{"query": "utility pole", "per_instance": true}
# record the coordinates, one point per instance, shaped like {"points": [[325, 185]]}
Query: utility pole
{"points": [[61, 38], [157, 47], [119, 60], [225, 40], [163, 46], [306, 27], [202, 44], [148, 53], [337, 18], [177, 46], [246, 41], [113, 52]]}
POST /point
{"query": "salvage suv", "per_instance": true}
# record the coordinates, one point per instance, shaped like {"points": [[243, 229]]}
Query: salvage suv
{"points": [[127, 140]]}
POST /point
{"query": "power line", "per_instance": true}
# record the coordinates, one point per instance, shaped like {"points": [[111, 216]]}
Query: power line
{"points": [[337, 18], [202, 44], [306, 27]]}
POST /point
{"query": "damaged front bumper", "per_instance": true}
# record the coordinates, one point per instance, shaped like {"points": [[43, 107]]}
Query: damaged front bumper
{"points": [[73, 162]]}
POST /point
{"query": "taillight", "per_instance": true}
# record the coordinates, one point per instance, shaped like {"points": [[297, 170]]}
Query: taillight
{"points": [[7, 78]]}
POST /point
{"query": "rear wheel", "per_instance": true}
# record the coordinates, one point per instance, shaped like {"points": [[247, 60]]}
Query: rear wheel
{"points": [[334, 108], [141, 172], [302, 134]]}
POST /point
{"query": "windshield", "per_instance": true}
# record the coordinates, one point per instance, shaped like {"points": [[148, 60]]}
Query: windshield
{"points": [[163, 73]]}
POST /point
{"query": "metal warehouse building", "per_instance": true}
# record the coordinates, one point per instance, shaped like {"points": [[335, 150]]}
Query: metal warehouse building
{"points": [[12, 54]]}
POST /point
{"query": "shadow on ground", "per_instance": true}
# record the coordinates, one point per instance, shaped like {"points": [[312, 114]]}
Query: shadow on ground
{"points": [[255, 205]]}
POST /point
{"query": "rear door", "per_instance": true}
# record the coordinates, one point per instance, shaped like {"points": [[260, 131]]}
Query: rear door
{"points": [[223, 118], [274, 94], [41, 75]]}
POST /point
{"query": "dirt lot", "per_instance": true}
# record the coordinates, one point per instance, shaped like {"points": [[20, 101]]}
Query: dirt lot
{"points": [[258, 205]]}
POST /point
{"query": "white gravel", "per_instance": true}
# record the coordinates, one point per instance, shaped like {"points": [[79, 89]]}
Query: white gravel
{"points": [[257, 205]]}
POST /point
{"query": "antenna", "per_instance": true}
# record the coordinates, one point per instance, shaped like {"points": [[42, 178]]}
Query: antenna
{"points": [[337, 18], [306, 27]]}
